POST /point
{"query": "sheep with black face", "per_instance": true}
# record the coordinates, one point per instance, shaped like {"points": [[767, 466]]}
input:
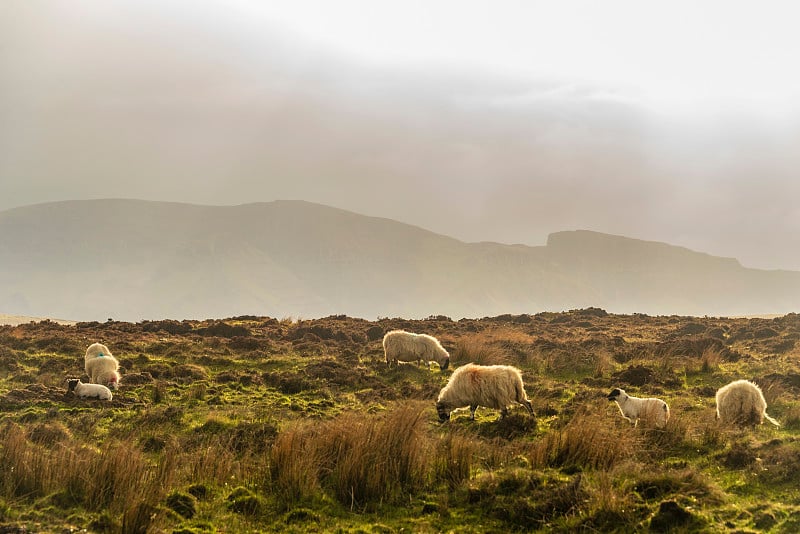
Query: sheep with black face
{"points": [[88, 391], [492, 386], [651, 411], [402, 346]]}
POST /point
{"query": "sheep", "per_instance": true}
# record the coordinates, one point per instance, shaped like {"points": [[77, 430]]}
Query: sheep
{"points": [[742, 403], [101, 366], [88, 391], [402, 346], [493, 386], [651, 410]]}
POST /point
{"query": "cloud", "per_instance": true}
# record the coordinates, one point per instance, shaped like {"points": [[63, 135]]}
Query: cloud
{"points": [[148, 101]]}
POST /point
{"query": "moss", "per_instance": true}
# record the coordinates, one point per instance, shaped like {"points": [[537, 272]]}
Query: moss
{"points": [[243, 501], [182, 503], [199, 491], [104, 522], [301, 515]]}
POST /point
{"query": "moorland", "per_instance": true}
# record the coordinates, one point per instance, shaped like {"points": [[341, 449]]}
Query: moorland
{"points": [[255, 424]]}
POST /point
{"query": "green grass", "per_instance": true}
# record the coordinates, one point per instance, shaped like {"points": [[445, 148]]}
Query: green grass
{"points": [[287, 426]]}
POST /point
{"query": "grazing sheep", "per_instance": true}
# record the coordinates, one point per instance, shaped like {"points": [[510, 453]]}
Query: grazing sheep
{"points": [[651, 410], [493, 386], [402, 346], [101, 366], [742, 403], [88, 391]]}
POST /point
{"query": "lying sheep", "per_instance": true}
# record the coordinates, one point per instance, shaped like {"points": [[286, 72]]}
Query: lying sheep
{"points": [[742, 403], [101, 366], [402, 346], [493, 386], [88, 391], [651, 410]]}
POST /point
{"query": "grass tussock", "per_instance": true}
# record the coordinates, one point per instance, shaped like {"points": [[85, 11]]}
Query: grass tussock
{"points": [[609, 506], [671, 439], [588, 441], [790, 418], [478, 350], [117, 478], [454, 459], [774, 391], [295, 464], [214, 462], [360, 460], [684, 483], [603, 363], [710, 359]]}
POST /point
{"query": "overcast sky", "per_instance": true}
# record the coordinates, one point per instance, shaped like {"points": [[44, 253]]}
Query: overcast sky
{"points": [[498, 120]]}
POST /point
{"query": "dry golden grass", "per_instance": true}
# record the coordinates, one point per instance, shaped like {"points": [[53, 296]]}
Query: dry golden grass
{"points": [[214, 461], [361, 459], [506, 334], [588, 441], [710, 360], [294, 463], [116, 478], [790, 418], [773, 391], [455, 458], [603, 363], [478, 350]]}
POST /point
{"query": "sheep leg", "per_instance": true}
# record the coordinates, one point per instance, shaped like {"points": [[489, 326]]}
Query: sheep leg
{"points": [[503, 413], [528, 405], [472, 408]]}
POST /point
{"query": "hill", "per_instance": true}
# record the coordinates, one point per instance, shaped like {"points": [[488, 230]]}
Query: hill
{"points": [[133, 260]]}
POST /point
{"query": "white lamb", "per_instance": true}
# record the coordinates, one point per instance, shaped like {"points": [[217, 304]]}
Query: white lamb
{"points": [[742, 403], [88, 391], [492, 386], [402, 346], [101, 366], [651, 410]]}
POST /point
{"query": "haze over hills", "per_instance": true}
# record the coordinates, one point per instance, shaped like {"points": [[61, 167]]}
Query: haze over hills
{"points": [[134, 260]]}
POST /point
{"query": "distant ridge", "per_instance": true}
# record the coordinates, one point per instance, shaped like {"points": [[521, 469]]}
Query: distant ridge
{"points": [[133, 260], [14, 320]]}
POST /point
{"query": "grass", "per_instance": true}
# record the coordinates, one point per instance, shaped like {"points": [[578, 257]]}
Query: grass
{"points": [[257, 425]]}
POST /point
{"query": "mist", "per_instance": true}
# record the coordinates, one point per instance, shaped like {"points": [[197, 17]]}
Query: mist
{"points": [[203, 104]]}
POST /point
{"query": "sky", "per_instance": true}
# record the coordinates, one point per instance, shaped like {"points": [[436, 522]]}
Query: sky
{"points": [[486, 121]]}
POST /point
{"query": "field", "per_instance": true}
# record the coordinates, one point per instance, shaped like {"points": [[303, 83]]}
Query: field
{"points": [[253, 424]]}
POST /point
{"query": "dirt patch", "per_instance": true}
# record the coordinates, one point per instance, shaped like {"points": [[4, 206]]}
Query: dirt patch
{"points": [[223, 329], [638, 375]]}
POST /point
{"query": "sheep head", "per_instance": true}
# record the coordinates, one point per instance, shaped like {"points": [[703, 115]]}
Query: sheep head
{"points": [[617, 394], [444, 413]]}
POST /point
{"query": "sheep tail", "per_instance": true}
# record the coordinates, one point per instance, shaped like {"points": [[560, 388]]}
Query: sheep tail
{"points": [[771, 420]]}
